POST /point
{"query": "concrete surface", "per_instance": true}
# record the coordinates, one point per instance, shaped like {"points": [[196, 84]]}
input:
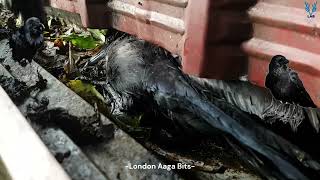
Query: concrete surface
{"points": [[23, 154]]}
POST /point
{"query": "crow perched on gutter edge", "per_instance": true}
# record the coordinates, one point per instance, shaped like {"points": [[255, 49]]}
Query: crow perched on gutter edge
{"points": [[285, 83], [27, 40]]}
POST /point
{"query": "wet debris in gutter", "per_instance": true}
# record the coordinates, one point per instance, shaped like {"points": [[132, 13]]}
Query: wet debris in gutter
{"points": [[73, 160], [82, 130]]}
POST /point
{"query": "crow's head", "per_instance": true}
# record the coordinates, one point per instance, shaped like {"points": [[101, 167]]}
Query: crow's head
{"points": [[278, 61], [34, 27], [33, 31]]}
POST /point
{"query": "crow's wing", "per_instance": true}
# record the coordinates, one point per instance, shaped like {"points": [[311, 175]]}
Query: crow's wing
{"points": [[17, 39], [257, 101], [268, 80], [244, 95], [303, 98]]}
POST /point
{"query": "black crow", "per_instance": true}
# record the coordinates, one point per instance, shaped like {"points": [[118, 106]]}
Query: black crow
{"points": [[144, 77], [285, 84], [27, 40]]}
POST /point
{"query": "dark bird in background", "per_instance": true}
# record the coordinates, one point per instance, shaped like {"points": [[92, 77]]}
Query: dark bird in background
{"points": [[27, 40], [143, 77], [285, 83]]}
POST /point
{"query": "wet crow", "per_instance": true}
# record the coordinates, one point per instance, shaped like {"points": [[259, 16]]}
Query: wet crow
{"points": [[285, 83], [26, 40], [145, 78]]}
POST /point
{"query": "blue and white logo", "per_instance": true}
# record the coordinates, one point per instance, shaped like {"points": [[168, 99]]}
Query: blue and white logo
{"points": [[312, 12]]}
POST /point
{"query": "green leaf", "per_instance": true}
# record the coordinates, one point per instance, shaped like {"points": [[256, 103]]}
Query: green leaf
{"points": [[98, 34], [81, 41], [85, 90]]}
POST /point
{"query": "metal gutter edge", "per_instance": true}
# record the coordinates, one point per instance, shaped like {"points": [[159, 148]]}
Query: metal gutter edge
{"points": [[21, 150]]}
